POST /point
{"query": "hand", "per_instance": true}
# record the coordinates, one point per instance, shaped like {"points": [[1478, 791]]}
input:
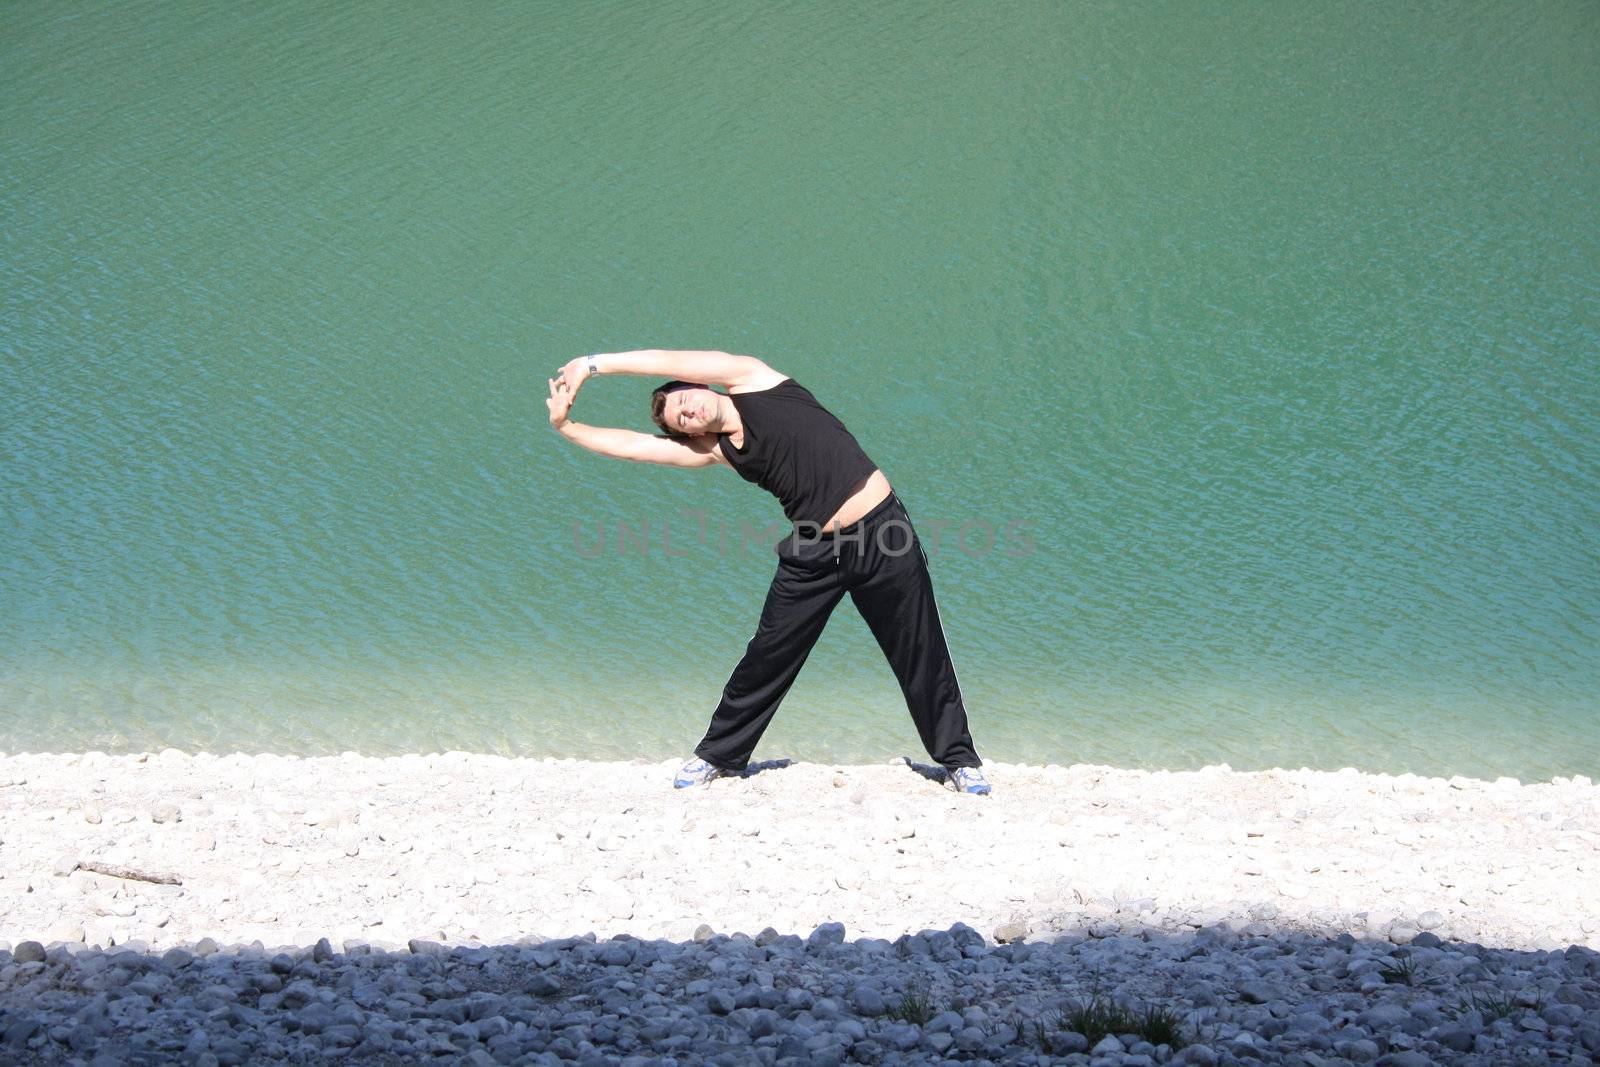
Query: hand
{"points": [[574, 372], [560, 402]]}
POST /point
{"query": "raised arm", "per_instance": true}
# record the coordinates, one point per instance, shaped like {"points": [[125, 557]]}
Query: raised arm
{"points": [[643, 447], [698, 451], [707, 368]]}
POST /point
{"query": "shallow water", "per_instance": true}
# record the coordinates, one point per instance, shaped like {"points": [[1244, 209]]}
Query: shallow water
{"points": [[1272, 331]]}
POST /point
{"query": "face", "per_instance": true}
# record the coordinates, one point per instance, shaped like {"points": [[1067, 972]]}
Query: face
{"points": [[690, 411]]}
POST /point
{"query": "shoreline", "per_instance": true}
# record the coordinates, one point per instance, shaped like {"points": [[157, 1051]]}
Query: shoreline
{"points": [[520, 911], [459, 847]]}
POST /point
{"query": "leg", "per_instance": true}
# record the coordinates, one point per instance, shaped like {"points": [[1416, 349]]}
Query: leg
{"points": [[804, 593], [896, 600]]}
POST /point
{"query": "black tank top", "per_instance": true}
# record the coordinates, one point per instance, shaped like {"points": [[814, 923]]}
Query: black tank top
{"points": [[796, 450]]}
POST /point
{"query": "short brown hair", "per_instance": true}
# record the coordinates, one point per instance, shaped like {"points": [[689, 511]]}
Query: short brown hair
{"points": [[658, 403]]}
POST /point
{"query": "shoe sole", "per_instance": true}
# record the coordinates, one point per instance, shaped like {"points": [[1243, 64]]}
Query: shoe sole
{"points": [[679, 784]]}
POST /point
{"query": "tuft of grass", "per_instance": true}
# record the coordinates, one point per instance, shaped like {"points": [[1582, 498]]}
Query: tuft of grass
{"points": [[914, 1006], [1159, 1026], [1403, 973], [1098, 1017], [1491, 1004]]}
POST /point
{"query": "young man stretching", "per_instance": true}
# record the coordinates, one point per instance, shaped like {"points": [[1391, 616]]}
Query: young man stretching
{"points": [[771, 430]]}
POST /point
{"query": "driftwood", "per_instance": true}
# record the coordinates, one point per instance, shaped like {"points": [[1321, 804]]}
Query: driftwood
{"points": [[159, 877]]}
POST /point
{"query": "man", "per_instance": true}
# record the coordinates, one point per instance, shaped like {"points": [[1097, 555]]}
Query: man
{"points": [[771, 431]]}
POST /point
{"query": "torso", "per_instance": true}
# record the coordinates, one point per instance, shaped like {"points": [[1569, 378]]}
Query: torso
{"points": [[872, 493], [868, 495]]}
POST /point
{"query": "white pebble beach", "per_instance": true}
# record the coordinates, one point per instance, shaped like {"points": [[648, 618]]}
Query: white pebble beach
{"points": [[1280, 916]]}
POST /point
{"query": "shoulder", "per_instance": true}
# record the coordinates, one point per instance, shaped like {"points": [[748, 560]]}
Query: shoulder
{"points": [[708, 445], [759, 378]]}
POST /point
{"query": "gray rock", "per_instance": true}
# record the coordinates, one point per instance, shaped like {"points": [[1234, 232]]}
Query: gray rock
{"points": [[825, 935], [420, 947], [1383, 1018], [28, 952], [966, 938], [903, 1036], [1309, 1022], [616, 954], [340, 1035], [1068, 1042], [867, 1000], [1361, 1050], [1562, 1015], [298, 994], [19, 1030], [314, 1017], [1406, 1059], [482, 1004], [1371, 982], [1257, 992]]}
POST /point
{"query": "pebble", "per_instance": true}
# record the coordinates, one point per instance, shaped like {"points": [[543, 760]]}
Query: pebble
{"points": [[28, 952]]}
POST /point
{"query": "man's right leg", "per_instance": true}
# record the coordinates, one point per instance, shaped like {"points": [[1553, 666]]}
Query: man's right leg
{"points": [[804, 593], [896, 600]]}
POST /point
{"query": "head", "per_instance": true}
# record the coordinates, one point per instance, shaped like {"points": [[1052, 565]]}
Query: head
{"points": [[685, 409]]}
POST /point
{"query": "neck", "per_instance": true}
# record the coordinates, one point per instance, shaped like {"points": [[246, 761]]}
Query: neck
{"points": [[726, 419]]}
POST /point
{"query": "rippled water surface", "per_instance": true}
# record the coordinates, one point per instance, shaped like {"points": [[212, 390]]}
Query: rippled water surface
{"points": [[1242, 358]]}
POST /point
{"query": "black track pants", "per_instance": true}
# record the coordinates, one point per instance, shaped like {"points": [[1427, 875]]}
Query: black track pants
{"points": [[880, 563]]}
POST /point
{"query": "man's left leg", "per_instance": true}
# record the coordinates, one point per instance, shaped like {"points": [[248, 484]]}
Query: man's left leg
{"points": [[896, 600]]}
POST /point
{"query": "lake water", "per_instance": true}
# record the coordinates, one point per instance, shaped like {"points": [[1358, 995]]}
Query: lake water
{"points": [[1244, 356]]}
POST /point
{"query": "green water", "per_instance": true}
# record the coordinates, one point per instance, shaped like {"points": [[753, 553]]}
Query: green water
{"points": [[1276, 323]]}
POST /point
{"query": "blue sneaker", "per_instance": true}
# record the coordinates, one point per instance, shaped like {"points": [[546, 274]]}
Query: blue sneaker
{"points": [[695, 772], [967, 780]]}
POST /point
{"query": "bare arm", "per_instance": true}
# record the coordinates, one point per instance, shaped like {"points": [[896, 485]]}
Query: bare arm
{"points": [[707, 368], [643, 447], [698, 451]]}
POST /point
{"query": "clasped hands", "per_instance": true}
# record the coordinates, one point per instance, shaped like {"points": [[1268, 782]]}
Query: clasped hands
{"points": [[564, 389]]}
